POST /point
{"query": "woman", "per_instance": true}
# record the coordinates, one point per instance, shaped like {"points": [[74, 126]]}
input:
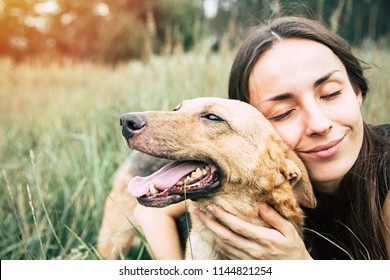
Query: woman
{"points": [[306, 81]]}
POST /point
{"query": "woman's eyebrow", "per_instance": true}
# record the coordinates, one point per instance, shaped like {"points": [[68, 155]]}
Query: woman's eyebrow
{"points": [[324, 78], [279, 97]]}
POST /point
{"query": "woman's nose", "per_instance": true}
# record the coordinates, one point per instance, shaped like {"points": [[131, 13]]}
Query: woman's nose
{"points": [[317, 121]]}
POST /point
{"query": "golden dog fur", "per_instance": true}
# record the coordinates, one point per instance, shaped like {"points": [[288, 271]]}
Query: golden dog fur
{"points": [[255, 165]]}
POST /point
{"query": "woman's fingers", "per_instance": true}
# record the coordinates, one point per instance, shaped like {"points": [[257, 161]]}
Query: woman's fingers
{"points": [[273, 218], [242, 240], [217, 228], [237, 238], [291, 246], [234, 245], [242, 228]]}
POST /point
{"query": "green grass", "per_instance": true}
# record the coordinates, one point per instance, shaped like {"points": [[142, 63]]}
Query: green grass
{"points": [[60, 140]]}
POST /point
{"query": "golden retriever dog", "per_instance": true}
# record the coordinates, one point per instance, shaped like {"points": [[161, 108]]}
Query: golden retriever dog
{"points": [[223, 152]]}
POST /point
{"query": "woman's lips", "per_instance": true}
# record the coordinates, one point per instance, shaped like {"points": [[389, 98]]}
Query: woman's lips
{"points": [[325, 151]]}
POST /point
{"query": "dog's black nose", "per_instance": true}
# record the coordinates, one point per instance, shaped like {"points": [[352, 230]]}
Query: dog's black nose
{"points": [[131, 124]]}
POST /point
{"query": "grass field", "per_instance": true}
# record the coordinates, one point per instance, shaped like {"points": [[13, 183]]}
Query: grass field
{"points": [[60, 140]]}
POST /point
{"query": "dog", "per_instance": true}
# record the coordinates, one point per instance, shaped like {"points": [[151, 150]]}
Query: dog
{"points": [[222, 152]]}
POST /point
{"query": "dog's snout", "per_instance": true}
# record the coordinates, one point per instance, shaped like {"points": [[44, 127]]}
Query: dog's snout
{"points": [[132, 124]]}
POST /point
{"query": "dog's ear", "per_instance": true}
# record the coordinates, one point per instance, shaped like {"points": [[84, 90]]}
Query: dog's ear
{"points": [[295, 172]]}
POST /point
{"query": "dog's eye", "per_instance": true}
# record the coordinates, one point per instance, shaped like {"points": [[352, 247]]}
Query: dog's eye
{"points": [[213, 117]]}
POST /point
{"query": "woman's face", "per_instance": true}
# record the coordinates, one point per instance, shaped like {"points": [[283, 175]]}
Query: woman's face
{"points": [[302, 87]]}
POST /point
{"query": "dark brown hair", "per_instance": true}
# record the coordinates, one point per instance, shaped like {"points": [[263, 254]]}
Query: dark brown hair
{"points": [[354, 219]]}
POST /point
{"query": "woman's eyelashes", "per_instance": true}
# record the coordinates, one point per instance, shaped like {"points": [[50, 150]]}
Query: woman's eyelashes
{"points": [[282, 116], [331, 96]]}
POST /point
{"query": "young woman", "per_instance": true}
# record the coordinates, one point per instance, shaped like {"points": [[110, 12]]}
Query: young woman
{"points": [[310, 86]]}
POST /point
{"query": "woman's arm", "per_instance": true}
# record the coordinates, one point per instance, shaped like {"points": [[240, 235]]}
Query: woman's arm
{"points": [[243, 240], [159, 227]]}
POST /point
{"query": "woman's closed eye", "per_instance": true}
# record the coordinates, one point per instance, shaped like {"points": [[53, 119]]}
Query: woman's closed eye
{"points": [[282, 116], [330, 96]]}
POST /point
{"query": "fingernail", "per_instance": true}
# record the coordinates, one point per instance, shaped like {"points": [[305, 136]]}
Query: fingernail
{"points": [[211, 209], [197, 211]]}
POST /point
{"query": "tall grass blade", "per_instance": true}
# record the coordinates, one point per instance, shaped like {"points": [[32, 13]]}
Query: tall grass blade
{"points": [[43, 203], [35, 221]]}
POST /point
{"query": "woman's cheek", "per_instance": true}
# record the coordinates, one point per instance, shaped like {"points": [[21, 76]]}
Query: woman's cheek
{"points": [[289, 132]]}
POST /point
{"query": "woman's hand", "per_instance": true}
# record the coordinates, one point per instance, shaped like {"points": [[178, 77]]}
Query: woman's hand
{"points": [[243, 240]]}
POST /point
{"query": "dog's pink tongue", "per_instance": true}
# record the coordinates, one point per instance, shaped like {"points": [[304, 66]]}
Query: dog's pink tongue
{"points": [[164, 178]]}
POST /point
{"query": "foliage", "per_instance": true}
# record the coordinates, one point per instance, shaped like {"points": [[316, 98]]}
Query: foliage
{"points": [[109, 31], [124, 38], [119, 30]]}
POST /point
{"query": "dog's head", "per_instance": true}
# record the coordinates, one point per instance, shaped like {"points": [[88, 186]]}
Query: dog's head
{"points": [[212, 141]]}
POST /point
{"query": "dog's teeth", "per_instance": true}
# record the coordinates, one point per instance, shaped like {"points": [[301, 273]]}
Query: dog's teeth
{"points": [[196, 174], [204, 171], [187, 180], [152, 189], [179, 183]]}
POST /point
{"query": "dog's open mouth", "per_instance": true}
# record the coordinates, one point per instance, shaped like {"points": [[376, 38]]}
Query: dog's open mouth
{"points": [[175, 182]]}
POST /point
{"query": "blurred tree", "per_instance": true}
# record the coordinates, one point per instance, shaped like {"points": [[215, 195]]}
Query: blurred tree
{"points": [[177, 20], [19, 34], [118, 30], [356, 20], [75, 28], [128, 29], [165, 22], [122, 38]]}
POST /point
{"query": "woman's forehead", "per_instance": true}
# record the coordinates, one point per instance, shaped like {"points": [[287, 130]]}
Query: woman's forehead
{"points": [[292, 55], [294, 62]]}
